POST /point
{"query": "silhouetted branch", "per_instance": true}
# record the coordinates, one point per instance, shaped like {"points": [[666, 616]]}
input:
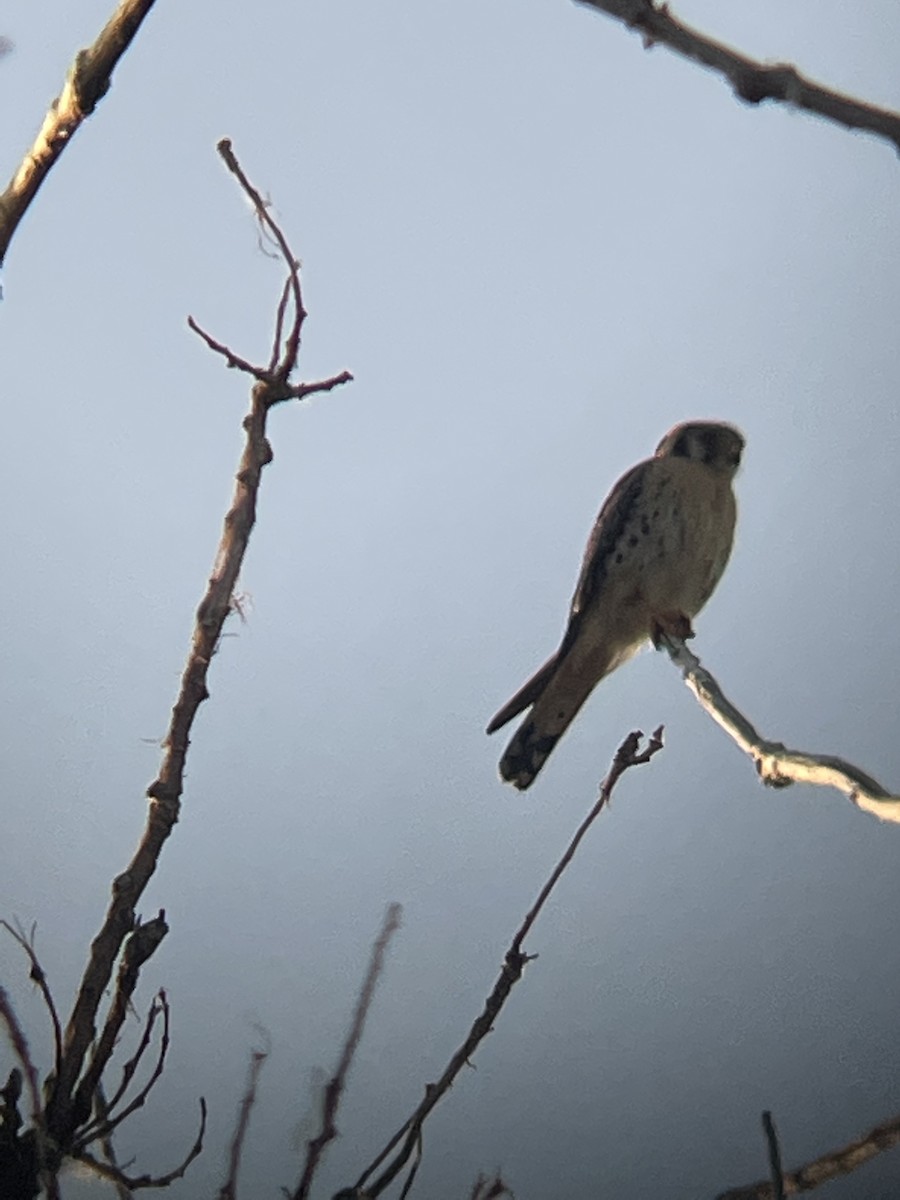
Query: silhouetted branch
{"points": [[334, 1089], [776, 765], [409, 1134], [87, 82], [34, 1151], [135, 1183], [774, 1155], [37, 976], [822, 1170], [101, 1127], [64, 1115], [228, 1190], [101, 1116], [752, 81]]}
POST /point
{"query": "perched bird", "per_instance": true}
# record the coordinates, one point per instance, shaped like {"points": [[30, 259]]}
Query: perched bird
{"points": [[656, 552]]}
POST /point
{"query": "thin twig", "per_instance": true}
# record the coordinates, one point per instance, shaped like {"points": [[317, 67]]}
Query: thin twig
{"points": [[38, 977], [826, 1168], [628, 755], [752, 81], [102, 1112], [334, 1089], [228, 1190], [95, 1130], [233, 360], [774, 1151], [776, 765], [139, 946], [86, 84], [158, 1005], [292, 344], [134, 1183]]}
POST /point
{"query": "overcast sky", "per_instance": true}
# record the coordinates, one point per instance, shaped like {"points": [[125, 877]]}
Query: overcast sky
{"points": [[537, 246]]}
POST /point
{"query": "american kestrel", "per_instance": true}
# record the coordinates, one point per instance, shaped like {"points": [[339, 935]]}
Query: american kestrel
{"points": [[655, 554]]}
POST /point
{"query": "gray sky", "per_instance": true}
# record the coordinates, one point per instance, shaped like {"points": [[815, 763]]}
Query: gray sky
{"points": [[537, 247]]}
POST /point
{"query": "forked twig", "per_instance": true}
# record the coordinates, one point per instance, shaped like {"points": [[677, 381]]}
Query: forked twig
{"points": [[751, 80], [408, 1136], [776, 765]]}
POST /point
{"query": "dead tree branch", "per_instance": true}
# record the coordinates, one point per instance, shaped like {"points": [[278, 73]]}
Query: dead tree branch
{"points": [[70, 1102], [40, 979], [822, 1170], [776, 765], [87, 82], [752, 81], [774, 1149], [334, 1089], [137, 1182], [228, 1190], [408, 1137]]}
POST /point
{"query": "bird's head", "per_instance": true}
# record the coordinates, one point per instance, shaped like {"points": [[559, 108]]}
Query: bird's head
{"points": [[714, 443]]}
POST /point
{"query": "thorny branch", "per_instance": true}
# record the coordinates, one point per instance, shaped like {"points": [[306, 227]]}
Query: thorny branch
{"points": [[408, 1137], [86, 84], [752, 81], [822, 1170], [776, 765], [68, 1107], [334, 1089]]}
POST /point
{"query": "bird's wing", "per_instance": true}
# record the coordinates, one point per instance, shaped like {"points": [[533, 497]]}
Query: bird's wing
{"points": [[618, 508]]}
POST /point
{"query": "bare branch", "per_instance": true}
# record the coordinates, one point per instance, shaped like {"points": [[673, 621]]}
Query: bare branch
{"points": [[822, 1170], [117, 1176], [228, 1190], [38, 977], [87, 82], [139, 946], [101, 1115], [774, 1156], [46, 1157], [334, 1089], [282, 362], [19, 1042], [232, 360], [752, 81], [628, 755], [164, 794], [776, 765], [102, 1127]]}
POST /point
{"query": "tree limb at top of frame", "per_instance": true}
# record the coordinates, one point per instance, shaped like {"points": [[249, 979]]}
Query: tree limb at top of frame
{"points": [[776, 765], [87, 82], [751, 80]]}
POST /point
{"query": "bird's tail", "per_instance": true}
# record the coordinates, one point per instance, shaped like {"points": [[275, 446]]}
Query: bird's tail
{"points": [[557, 692]]}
